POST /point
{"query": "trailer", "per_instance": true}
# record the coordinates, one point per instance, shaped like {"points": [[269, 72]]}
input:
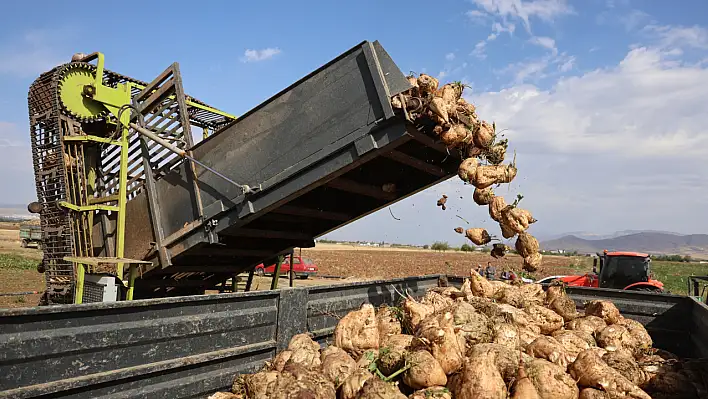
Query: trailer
{"points": [[192, 346], [30, 235], [122, 186]]}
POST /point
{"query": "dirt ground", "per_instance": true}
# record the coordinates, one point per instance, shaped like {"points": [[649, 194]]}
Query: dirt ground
{"points": [[352, 263], [10, 242], [387, 263], [20, 281]]}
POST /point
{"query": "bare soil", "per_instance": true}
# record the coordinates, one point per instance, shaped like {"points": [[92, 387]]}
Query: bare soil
{"points": [[389, 262], [352, 263], [13, 280]]}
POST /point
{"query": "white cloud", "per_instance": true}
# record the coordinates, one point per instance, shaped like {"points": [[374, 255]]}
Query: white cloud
{"points": [[630, 20], [614, 148], [503, 27], [546, 10], [643, 107], [679, 36], [567, 65], [502, 11], [478, 17], [538, 68], [260, 55], [634, 19], [450, 56], [479, 50], [546, 42]]}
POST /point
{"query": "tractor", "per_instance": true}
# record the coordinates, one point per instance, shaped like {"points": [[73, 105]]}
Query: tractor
{"points": [[619, 270]]}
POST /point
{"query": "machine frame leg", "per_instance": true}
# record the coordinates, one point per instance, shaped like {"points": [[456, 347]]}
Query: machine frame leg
{"points": [[249, 282], [291, 275], [276, 274], [132, 273], [80, 272]]}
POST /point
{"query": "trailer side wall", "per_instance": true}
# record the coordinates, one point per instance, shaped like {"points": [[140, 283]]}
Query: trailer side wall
{"points": [[189, 347]]}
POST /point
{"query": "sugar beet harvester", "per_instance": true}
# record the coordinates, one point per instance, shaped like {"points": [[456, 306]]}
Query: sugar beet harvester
{"points": [[127, 199]]}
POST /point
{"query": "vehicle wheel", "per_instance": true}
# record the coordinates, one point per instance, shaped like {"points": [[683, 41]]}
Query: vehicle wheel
{"points": [[24, 244], [260, 272]]}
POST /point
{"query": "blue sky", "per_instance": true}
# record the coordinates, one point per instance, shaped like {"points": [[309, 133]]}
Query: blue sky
{"points": [[603, 100]]}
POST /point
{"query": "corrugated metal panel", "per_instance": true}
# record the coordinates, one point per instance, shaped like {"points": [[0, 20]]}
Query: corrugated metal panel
{"points": [[108, 346]]}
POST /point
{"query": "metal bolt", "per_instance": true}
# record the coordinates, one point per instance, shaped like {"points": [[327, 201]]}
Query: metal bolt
{"points": [[89, 91]]}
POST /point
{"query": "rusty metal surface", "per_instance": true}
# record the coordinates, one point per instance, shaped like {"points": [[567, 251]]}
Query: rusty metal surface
{"points": [[49, 161], [320, 151]]}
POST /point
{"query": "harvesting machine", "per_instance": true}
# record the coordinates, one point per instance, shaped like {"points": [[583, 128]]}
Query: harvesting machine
{"points": [[618, 270], [128, 200]]}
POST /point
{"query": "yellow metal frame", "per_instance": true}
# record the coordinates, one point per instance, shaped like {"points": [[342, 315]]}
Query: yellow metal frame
{"points": [[86, 137], [84, 208], [196, 105], [113, 99]]}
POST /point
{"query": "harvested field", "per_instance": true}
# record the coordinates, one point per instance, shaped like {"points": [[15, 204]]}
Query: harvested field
{"points": [[383, 263], [18, 274], [356, 263]]}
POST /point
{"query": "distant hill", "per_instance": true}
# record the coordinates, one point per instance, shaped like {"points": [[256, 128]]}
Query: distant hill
{"points": [[649, 242], [598, 236]]}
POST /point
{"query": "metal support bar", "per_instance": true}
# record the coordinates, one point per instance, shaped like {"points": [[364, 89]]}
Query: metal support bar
{"points": [[246, 189], [80, 272], [292, 273], [249, 282], [87, 137], [84, 208], [354, 187], [234, 283], [428, 141], [276, 274], [415, 163], [102, 200], [196, 105], [154, 204], [253, 233], [132, 273], [313, 213]]}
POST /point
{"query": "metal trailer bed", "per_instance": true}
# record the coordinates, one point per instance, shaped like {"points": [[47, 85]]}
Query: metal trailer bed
{"points": [[319, 153], [192, 346]]}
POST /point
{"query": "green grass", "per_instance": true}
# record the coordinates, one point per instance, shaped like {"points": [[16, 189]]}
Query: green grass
{"points": [[11, 261], [674, 275]]}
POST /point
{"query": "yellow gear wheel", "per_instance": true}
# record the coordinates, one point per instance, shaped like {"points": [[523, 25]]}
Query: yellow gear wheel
{"points": [[73, 78]]}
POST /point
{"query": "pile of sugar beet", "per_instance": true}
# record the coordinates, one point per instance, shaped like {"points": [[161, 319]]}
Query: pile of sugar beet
{"points": [[489, 339], [456, 124]]}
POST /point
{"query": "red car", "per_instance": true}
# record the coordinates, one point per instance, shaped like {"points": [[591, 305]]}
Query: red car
{"points": [[303, 267]]}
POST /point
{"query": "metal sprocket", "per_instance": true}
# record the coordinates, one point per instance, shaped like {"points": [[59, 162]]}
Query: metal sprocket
{"points": [[70, 85]]}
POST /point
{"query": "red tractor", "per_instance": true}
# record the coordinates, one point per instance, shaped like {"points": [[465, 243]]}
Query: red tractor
{"points": [[619, 270]]}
